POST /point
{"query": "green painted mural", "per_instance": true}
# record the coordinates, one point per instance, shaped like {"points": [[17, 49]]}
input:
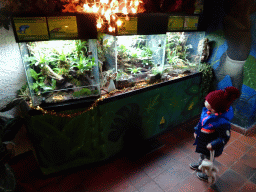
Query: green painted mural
{"points": [[61, 143]]}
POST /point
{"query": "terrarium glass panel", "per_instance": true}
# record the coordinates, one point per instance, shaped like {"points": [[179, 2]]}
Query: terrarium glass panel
{"points": [[134, 58], [61, 71], [184, 51]]}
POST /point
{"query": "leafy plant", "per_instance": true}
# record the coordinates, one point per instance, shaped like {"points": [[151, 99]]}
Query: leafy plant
{"points": [[84, 64], [135, 70], [123, 52], [157, 70], [134, 55], [121, 75], [146, 52], [23, 92], [81, 47], [172, 57], [38, 84], [207, 78]]}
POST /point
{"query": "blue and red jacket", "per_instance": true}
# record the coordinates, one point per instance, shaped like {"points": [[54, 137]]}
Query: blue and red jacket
{"points": [[214, 129]]}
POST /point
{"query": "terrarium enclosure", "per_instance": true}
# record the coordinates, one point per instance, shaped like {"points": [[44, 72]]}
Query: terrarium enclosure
{"points": [[61, 71], [184, 51], [133, 59]]}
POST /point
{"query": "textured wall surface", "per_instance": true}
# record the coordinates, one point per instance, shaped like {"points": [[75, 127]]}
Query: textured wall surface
{"points": [[12, 73]]}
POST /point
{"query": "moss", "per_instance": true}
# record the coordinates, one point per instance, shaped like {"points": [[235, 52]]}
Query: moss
{"points": [[95, 92], [85, 91], [76, 82], [82, 92]]}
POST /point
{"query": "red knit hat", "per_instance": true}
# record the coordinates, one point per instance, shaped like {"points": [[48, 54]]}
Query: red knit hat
{"points": [[221, 100]]}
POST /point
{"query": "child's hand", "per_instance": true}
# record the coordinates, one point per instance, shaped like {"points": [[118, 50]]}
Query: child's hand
{"points": [[209, 147], [195, 135]]}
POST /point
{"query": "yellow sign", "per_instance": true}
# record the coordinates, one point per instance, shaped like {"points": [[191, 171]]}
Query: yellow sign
{"points": [[175, 23], [191, 22], [31, 28], [128, 26], [62, 27], [162, 121]]}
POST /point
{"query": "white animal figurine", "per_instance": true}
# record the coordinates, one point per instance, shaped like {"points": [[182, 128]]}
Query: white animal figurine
{"points": [[209, 169]]}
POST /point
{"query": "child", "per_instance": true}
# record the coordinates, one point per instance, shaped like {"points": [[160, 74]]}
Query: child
{"points": [[213, 129]]}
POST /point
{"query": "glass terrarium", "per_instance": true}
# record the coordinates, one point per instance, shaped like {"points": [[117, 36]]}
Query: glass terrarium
{"points": [[133, 58], [184, 51], [61, 71]]}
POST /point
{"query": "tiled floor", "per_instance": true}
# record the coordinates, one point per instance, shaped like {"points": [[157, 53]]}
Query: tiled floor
{"points": [[165, 169]]}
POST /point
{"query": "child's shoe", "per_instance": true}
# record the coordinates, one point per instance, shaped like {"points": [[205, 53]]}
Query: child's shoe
{"points": [[202, 176], [194, 166]]}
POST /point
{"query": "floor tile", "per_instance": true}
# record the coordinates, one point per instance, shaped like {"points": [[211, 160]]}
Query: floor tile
{"points": [[249, 161], [248, 187], [153, 170], [233, 152], [230, 181], [243, 169], [222, 168], [187, 147], [240, 145], [185, 161], [191, 184], [171, 140], [173, 156], [179, 172], [252, 152], [194, 156], [234, 136], [226, 159], [166, 180], [139, 179], [124, 186], [151, 187], [253, 179], [248, 140]]}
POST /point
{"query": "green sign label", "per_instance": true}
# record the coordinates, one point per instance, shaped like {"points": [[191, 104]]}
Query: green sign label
{"points": [[31, 28], [128, 26], [191, 22], [175, 23], [62, 27]]}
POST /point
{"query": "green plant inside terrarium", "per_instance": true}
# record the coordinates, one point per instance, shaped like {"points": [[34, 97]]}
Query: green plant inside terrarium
{"points": [[59, 65], [178, 51]]}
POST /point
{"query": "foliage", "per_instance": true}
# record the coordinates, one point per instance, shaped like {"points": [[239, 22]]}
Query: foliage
{"points": [[123, 52], [39, 59], [95, 92], [23, 92], [146, 52], [121, 75], [172, 57], [250, 72], [134, 55], [81, 47], [38, 84], [134, 70], [83, 64], [157, 70], [207, 78]]}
